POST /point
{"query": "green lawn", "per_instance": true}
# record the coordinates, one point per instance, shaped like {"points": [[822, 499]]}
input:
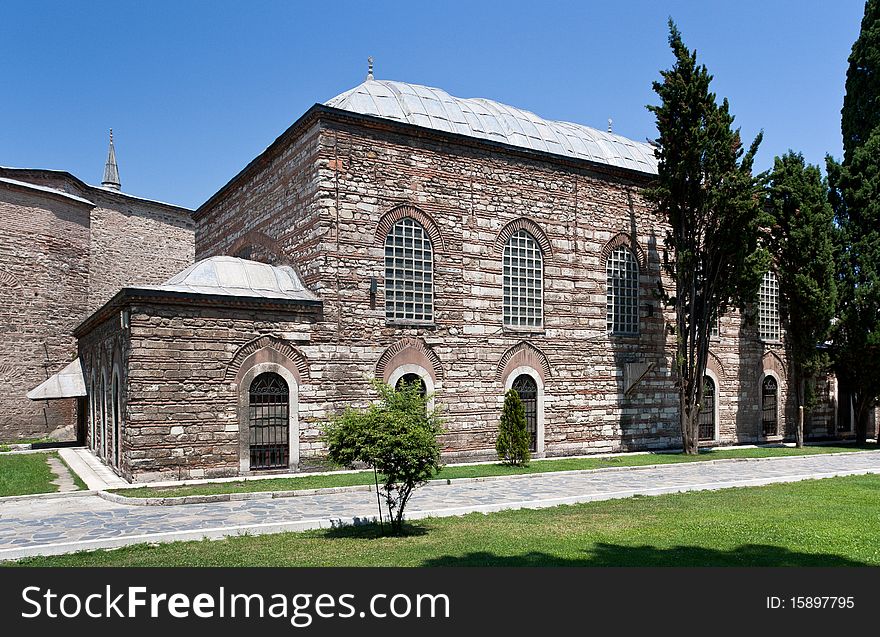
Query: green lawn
{"points": [[831, 522], [26, 474], [473, 471]]}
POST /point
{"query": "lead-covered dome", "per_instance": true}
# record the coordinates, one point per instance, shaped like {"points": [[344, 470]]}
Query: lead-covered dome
{"points": [[232, 276], [476, 117]]}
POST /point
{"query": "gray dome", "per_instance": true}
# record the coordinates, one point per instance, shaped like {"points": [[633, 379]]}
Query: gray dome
{"points": [[476, 117], [232, 276]]}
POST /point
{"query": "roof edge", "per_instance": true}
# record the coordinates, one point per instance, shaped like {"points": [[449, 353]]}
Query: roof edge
{"points": [[320, 111], [130, 295], [6, 170]]}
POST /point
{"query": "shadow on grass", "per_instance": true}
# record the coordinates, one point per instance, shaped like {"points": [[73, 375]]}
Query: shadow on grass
{"points": [[373, 531], [616, 555]]}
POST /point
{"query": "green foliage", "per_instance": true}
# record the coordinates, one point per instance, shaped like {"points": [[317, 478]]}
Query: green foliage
{"points": [[397, 436], [861, 104], [801, 237], [856, 335], [707, 193], [512, 444]]}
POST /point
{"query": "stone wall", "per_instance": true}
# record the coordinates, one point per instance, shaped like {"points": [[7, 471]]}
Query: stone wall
{"points": [[467, 197], [44, 255], [135, 243], [60, 260], [181, 418]]}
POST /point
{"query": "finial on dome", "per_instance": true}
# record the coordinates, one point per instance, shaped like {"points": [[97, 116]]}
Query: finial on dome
{"points": [[609, 124], [370, 68]]}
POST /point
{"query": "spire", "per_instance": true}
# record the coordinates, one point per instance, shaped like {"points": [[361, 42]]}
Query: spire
{"points": [[610, 121], [111, 171], [370, 68]]}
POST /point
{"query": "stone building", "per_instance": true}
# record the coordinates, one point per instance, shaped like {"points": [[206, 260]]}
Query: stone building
{"points": [[398, 232], [65, 248]]}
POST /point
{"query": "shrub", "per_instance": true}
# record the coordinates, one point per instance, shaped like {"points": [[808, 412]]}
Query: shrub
{"points": [[512, 444], [397, 436]]}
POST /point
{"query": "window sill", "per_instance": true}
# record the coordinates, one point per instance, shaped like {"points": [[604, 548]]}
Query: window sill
{"points": [[513, 329], [401, 323]]}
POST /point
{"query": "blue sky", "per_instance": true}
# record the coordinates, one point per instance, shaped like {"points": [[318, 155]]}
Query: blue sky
{"points": [[196, 89]]}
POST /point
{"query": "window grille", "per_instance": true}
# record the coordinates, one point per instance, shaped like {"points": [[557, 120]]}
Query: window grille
{"points": [[409, 273], [768, 308], [527, 388], [269, 420], [706, 421], [622, 292], [523, 280], [768, 406]]}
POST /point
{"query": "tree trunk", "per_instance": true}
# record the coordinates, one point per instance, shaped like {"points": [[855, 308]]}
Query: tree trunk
{"points": [[799, 434], [861, 419], [689, 434]]}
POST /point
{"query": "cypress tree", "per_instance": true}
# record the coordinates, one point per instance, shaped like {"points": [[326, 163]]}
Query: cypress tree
{"points": [[861, 104], [707, 193], [512, 444], [801, 237]]}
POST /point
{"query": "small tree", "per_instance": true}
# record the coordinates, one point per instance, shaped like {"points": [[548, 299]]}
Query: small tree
{"points": [[396, 436], [512, 444]]}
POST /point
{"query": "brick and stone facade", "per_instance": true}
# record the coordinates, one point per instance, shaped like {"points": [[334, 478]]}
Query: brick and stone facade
{"points": [[65, 248], [322, 200]]}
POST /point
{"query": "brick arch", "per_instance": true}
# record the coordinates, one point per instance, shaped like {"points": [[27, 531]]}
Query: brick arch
{"points": [[264, 244], [8, 281], [397, 213], [714, 363], [271, 344], [529, 226], [523, 354], [623, 239], [773, 362], [408, 351]]}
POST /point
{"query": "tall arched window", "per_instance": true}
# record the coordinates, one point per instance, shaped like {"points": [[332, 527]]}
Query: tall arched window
{"points": [[269, 422], [409, 273], [707, 411], [768, 308], [103, 423], [117, 418], [93, 416], [410, 379], [769, 402], [527, 389], [622, 292], [523, 266]]}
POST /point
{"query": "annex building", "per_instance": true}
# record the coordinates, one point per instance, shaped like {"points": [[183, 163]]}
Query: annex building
{"points": [[399, 232]]}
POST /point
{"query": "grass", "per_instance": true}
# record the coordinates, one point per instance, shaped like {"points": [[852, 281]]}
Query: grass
{"points": [[831, 522], [26, 474], [474, 471]]}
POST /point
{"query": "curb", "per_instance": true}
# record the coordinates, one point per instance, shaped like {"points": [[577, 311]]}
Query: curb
{"points": [[438, 483]]}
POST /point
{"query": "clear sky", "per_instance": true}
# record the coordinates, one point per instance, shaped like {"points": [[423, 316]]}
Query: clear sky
{"points": [[196, 89]]}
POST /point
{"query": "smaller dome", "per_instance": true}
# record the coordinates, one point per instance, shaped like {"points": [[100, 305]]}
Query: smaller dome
{"points": [[233, 276]]}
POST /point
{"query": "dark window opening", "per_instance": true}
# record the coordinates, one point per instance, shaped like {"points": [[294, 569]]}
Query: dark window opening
{"points": [[269, 419], [769, 403], [707, 411], [527, 388]]}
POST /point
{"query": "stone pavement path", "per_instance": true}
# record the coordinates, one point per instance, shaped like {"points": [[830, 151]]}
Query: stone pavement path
{"points": [[45, 527], [64, 480]]}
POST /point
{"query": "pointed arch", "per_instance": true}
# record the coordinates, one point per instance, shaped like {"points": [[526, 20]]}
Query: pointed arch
{"points": [[523, 354], [714, 364], [773, 362], [529, 226], [408, 351], [257, 246], [622, 239], [387, 220], [280, 347]]}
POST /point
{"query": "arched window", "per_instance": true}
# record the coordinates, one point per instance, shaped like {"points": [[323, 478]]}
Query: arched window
{"points": [[93, 415], [409, 379], [102, 450], [622, 292], [523, 266], [409, 273], [116, 419], [768, 308], [269, 422], [707, 411], [527, 388], [769, 402]]}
